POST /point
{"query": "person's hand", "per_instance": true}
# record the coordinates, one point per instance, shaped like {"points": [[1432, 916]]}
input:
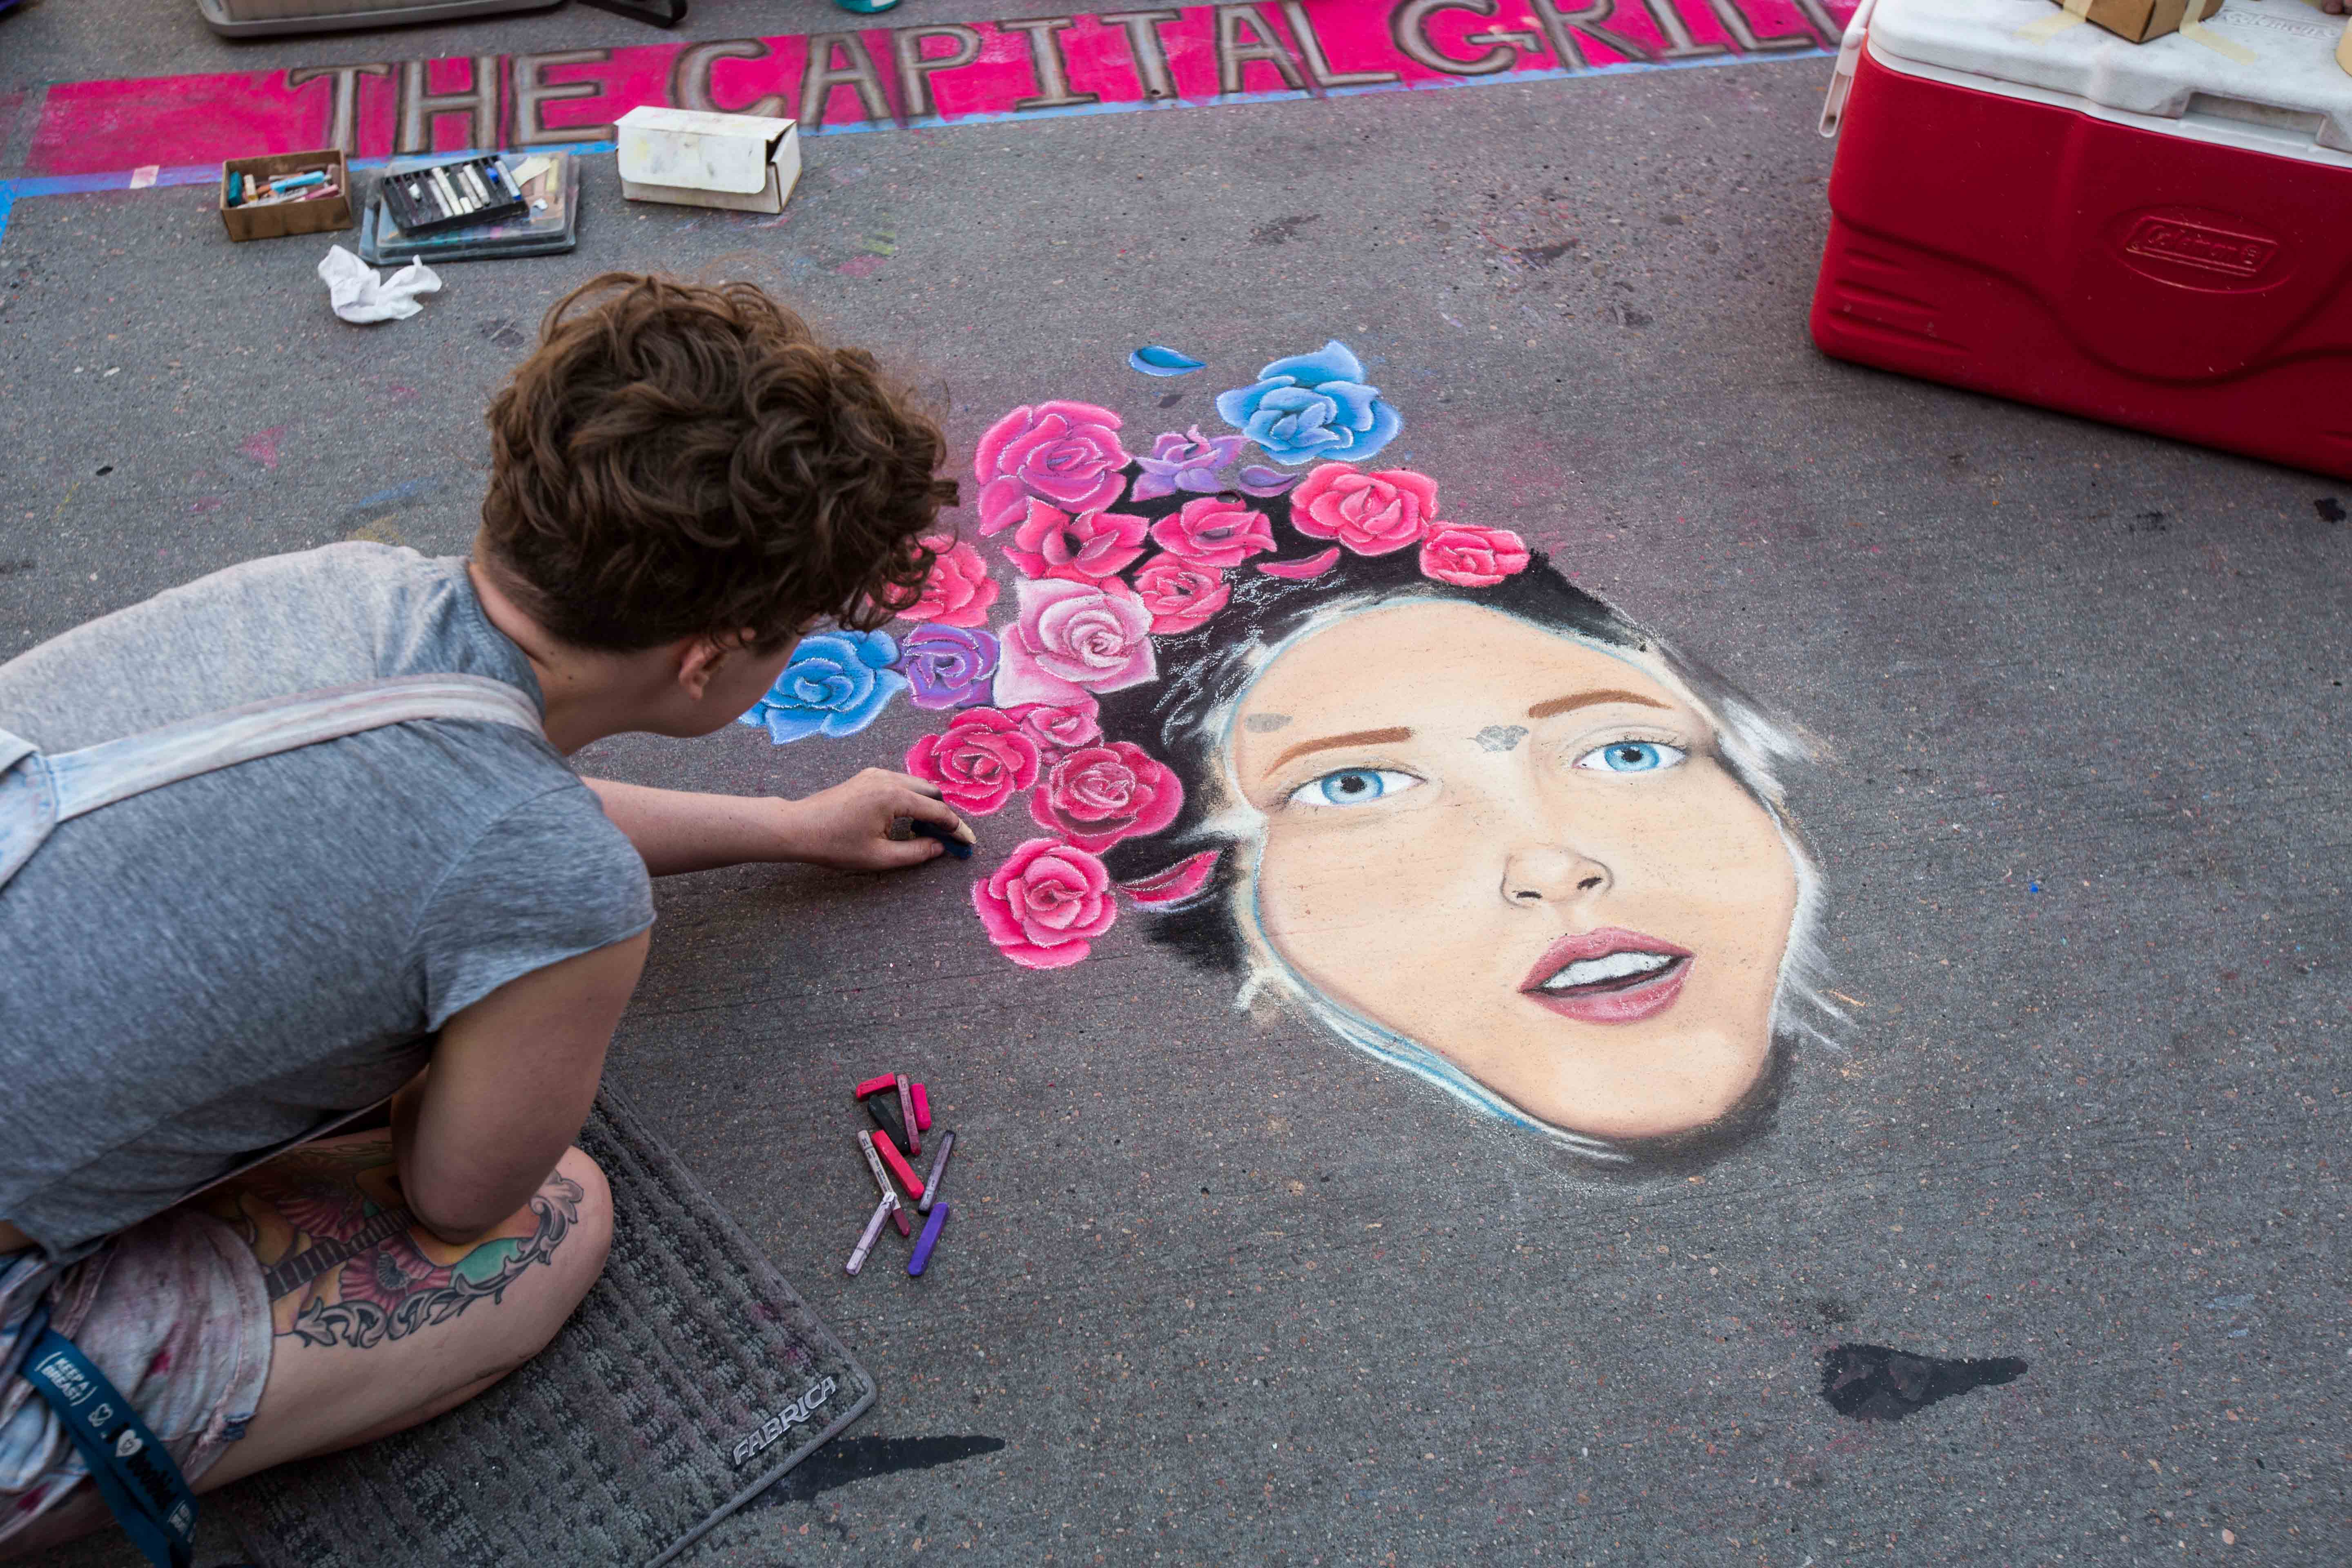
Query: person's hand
{"points": [[847, 826]]}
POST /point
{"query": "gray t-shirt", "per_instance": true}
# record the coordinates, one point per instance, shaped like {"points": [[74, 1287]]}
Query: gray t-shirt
{"points": [[221, 964]]}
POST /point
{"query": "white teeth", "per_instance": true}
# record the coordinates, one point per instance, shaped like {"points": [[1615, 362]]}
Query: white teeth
{"points": [[1615, 966]]}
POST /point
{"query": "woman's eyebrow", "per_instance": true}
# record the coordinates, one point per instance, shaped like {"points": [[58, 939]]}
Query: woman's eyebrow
{"points": [[1356, 738], [1587, 698]]}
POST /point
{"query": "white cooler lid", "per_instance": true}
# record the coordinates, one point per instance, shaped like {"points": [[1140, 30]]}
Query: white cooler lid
{"points": [[2291, 98]]}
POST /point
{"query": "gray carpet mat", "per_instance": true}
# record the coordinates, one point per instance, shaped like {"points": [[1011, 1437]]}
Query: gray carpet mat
{"points": [[618, 1444]]}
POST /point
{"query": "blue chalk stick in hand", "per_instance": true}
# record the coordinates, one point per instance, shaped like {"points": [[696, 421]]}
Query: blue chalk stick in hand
{"points": [[929, 1239], [947, 836]]}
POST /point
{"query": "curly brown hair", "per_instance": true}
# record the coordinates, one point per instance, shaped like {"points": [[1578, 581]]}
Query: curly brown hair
{"points": [[679, 459]]}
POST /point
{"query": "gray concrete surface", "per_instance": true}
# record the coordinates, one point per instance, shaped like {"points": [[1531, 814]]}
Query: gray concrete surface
{"points": [[1226, 1293]]}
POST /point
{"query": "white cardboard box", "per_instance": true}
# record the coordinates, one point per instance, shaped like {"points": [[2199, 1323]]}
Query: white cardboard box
{"points": [[745, 161]]}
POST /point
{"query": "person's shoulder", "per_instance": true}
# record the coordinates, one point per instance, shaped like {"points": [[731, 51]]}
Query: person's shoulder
{"points": [[549, 878], [391, 609], [564, 824]]}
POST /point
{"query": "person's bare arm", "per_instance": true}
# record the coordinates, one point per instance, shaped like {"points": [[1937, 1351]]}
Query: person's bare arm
{"points": [[844, 828], [510, 1082]]}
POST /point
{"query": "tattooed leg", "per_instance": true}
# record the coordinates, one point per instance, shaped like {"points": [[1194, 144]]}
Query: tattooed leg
{"points": [[378, 1323], [344, 1261]]}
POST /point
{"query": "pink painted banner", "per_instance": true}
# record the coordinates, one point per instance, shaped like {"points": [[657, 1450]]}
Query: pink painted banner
{"points": [[922, 74]]}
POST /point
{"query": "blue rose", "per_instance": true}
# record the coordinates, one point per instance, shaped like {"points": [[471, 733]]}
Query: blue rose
{"points": [[836, 684], [1312, 408]]}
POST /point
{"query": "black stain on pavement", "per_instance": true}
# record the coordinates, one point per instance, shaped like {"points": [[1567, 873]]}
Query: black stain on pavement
{"points": [[1282, 228], [847, 1459], [1873, 1383], [2329, 508]]}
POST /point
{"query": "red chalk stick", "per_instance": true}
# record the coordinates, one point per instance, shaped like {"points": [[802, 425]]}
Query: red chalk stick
{"points": [[877, 1085], [922, 1110], [899, 1166]]}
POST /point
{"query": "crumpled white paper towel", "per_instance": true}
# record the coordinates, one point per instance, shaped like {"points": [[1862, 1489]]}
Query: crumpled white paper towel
{"points": [[361, 294]]}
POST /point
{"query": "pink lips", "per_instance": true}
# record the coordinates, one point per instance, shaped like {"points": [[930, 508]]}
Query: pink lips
{"points": [[1611, 1002]]}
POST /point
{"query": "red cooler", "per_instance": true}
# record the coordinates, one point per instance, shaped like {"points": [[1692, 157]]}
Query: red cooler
{"points": [[2158, 235]]}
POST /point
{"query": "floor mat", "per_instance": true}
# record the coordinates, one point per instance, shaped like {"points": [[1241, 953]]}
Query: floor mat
{"points": [[690, 1378]]}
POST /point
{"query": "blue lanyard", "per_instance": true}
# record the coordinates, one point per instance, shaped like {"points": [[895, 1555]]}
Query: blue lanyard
{"points": [[135, 1474]]}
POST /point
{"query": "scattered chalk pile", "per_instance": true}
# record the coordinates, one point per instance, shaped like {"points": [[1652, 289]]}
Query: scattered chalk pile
{"points": [[902, 1113]]}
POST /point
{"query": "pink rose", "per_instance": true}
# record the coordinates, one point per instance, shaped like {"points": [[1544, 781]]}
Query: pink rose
{"points": [[1086, 549], [1096, 797], [1044, 907], [980, 760], [1214, 531], [1469, 556], [1072, 638], [1181, 596], [1371, 514], [1065, 454], [959, 590], [1060, 728]]}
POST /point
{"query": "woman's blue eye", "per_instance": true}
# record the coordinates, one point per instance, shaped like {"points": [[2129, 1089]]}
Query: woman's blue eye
{"points": [[1632, 757], [1352, 787]]}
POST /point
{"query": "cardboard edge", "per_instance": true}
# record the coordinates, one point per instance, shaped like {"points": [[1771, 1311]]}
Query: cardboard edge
{"points": [[758, 201]]}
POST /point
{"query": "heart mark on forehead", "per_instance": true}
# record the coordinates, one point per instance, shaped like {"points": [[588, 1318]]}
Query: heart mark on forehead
{"points": [[1501, 737]]}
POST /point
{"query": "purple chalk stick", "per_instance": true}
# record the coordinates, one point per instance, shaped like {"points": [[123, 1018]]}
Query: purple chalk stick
{"points": [[929, 1239]]}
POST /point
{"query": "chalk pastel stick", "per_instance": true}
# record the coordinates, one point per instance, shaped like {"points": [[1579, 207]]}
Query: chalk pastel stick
{"points": [[899, 1166], [881, 1177], [873, 1232], [929, 1239], [922, 1110], [884, 1109], [907, 1115], [939, 1169], [877, 1085], [958, 841]]}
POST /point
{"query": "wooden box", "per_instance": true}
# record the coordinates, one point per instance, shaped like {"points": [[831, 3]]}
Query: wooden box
{"points": [[319, 217]]}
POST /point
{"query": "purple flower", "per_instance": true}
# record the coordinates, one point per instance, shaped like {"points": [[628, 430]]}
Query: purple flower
{"points": [[1186, 462], [948, 667]]}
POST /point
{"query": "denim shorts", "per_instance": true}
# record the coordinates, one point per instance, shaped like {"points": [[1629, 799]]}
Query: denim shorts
{"points": [[173, 1311]]}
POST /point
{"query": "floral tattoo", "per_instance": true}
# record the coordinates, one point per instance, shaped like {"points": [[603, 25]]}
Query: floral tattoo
{"points": [[345, 1262]]}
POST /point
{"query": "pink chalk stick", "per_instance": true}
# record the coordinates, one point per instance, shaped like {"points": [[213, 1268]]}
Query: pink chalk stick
{"points": [[922, 1110]]}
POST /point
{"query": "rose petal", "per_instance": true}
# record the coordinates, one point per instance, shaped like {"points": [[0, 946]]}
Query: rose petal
{"points": [[1302, 571], [1179, 881]]}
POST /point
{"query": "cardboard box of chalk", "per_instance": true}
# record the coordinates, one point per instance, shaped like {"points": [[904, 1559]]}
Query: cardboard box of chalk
{"points": [[316, 214]]}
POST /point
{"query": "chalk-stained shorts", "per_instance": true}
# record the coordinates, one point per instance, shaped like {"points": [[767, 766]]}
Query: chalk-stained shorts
{"points": [[173, 1311]]}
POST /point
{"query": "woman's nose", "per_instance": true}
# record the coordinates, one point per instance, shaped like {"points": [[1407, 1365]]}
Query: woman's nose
{"points": [[1551, 874]]}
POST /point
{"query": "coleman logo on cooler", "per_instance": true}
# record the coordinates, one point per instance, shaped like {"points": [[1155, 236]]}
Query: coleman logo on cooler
{"points": [[2200, 245], [784, 1420]]}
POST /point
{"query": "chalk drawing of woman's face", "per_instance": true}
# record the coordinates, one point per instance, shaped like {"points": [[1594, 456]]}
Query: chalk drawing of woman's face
{"points": [[1521, 852]]}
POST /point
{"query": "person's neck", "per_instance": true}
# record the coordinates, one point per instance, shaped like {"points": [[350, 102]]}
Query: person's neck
{"points": [[589, 695]]}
